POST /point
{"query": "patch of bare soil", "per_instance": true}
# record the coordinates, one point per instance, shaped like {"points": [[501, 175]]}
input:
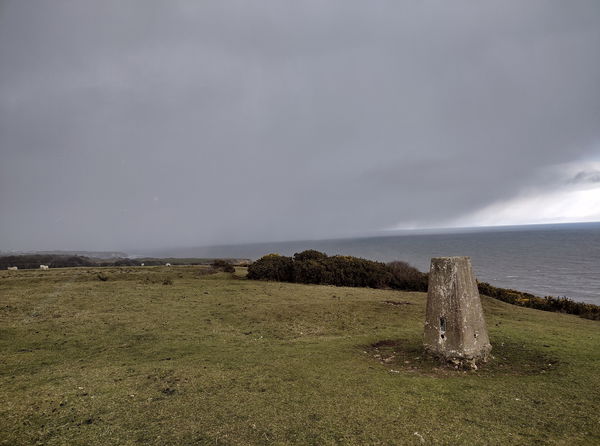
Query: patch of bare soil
{"points": [[403, 356]]}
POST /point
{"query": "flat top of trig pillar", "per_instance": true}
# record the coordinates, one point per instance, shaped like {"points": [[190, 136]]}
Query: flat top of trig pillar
{"points": [[451, 258]]}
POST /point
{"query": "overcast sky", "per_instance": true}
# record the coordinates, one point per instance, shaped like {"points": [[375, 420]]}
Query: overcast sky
{"points": [[139, 124]]}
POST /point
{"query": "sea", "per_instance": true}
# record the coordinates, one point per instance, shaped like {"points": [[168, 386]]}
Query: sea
{"points": [[545, 260]]}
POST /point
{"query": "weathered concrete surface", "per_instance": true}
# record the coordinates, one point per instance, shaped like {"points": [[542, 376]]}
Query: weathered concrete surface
{"points": [[455, 329]]}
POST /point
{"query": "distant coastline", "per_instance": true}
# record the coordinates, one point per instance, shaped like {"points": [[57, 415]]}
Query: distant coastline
{"points": [[553, 259]]}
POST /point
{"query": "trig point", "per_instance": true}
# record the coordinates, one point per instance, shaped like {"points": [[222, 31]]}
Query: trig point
{"points": [[455, 329]]}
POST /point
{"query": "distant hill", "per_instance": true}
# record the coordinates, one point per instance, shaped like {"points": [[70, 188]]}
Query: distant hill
{"points": [[33, 261], [93, 254]]}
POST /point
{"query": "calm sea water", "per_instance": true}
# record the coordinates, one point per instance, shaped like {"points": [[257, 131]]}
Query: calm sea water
{"points": [[557, 260]]}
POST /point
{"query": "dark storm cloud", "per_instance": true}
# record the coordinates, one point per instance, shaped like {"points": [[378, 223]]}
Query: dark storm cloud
{"points": [[139, 124]]}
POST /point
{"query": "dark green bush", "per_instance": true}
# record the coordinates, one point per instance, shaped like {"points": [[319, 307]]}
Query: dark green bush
{"points": [[356, 272], [126, 262], [309, 254], [316, 267], [407, 277], [548, 303], [223, 265], [272, 267], [310, 271]]}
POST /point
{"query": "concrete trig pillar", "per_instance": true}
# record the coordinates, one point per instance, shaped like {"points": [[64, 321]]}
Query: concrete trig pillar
{"points": [[455, 329]]}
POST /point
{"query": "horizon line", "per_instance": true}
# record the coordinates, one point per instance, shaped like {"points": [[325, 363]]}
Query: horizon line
{"points": [[375, 234]]}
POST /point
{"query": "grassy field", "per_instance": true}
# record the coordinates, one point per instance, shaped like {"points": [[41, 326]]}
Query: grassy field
{"points": [[217, 359]]}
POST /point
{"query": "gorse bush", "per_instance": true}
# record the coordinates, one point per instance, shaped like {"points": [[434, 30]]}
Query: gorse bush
{"points": [[548, 303], [353, 271], [309, 254], [340, 271], [316, 267], [272, 267], [407, 277]]}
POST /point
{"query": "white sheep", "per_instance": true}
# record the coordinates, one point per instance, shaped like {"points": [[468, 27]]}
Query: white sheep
{"points": [[43, 266], [167, 264], [141, 264], [12, 268]]}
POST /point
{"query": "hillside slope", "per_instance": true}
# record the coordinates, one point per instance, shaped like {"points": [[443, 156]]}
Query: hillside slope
{"points": [[175, 356]]}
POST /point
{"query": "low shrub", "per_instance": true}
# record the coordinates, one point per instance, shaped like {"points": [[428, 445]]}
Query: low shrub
{"points": [[548, 303], [310, 254], [407, 277], [318, 268], [272, 267], [356, 272], [223, 265], [125, 262]]}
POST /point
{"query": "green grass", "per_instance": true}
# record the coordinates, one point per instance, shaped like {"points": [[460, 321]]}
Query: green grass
{"points": [[221, 360]]}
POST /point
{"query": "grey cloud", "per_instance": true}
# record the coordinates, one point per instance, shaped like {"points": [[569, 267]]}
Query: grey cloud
{"points": [[586, 177], [140, 124]]}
